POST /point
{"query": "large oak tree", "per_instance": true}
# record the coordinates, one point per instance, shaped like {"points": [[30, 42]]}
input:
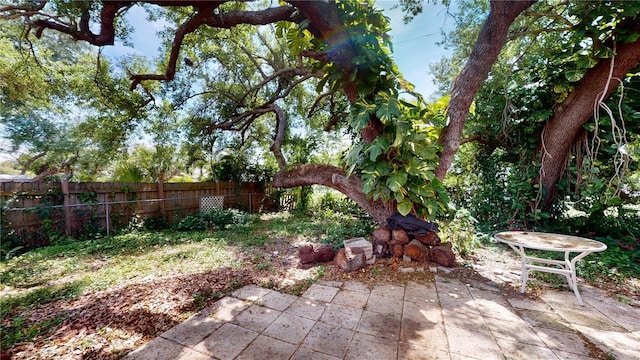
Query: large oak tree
{"points": [[396, 165]]}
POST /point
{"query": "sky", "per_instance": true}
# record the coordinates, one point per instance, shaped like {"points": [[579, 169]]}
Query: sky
{"points": [[414, 43]]}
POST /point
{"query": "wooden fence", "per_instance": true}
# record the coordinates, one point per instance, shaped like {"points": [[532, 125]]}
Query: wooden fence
{"points": [[73, 208]]}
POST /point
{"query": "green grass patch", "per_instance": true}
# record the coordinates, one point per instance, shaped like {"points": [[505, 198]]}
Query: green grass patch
{"points": [[101, 263], [41, 295], [20, 330]]}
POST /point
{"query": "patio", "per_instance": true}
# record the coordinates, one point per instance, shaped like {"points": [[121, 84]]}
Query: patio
{"points": [[443, 319]]}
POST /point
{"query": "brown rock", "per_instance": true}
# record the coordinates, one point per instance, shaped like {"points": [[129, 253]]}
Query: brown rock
{"points": [[443, 255], [416, 250], [315, 253], [348, 261], [430, 238], [400, 236], [382, 234]]}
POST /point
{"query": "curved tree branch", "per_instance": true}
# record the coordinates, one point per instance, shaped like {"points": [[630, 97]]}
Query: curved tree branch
{"points": [[325, 24], [337, 179], [106, 36], [281, 127], [30, 162], [198, 19], [476, 137]]}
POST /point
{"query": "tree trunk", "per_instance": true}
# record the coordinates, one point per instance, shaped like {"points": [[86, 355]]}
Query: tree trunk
{"points": [[568, 118], [490, 41]]}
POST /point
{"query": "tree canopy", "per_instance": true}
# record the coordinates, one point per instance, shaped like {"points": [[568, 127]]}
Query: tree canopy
{"points": [[531, 75]]}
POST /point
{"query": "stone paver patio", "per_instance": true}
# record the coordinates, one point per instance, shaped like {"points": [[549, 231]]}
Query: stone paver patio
{"points": [[445, 319]]}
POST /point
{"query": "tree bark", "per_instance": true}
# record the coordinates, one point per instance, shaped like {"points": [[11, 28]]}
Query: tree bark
{"points": [[490, 41], [561, 131], [326, 26]]}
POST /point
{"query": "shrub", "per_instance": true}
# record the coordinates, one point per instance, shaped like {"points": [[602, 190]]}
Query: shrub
{"points": [[214, 218], [461, 232], [191, 222]]}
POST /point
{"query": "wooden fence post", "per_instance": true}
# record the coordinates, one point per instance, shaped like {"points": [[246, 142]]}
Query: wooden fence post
{"points": [[161, 194], [64, 184]]}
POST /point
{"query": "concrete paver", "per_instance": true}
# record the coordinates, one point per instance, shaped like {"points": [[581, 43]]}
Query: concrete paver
{"points": [[320, 292], [381, 325], [565, 341], [342, 316], [415, 352], [290, 328], [227, 342], [264, 347], [329, 340], [276, 300], [351, 298], [442, 319], [310, 309], [256, 318], [365, 346], [606, 324], [190, 332]]}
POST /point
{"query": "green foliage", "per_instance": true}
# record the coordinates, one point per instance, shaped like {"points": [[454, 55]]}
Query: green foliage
{"points": [[19, 330], [214, 218], [10, 242], [344, 217], [238, 168], [343, 227], [51, 231], [461, 232], [618, 262], [334, 202], [495, 178], [40, 296], [192, 223], [44, 86], [397, 166]]}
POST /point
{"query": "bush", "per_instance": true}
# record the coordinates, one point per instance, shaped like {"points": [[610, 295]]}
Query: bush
{"points": [[214, 218], [461, 232], [333, 202], [191, 222]]}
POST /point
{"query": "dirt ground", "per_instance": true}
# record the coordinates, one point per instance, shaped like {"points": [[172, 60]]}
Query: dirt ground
{"points": [[111, 323]]}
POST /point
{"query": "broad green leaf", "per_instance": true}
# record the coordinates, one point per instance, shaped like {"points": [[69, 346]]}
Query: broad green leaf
{"points": [[574, 75], [405, 206], [396, 180], [354, 154], [379, 145], [389, 109], [402, 128], [384, 168]]}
